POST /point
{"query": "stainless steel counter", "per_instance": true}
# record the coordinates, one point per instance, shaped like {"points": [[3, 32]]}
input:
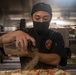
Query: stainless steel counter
{"points": [[72, 71], [10, 64], [68, 66]]}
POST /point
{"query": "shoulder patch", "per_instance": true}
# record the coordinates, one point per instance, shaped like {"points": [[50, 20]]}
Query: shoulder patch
{"points": [[48, 44]]}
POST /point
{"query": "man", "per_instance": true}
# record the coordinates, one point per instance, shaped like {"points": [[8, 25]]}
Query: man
{"points": [[50, 43]]}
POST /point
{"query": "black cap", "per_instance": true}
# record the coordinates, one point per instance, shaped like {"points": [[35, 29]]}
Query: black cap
{"points": [[41, 7]]}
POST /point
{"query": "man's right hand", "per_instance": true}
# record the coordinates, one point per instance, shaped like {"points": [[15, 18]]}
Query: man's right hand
{"points": [[20, 37]]}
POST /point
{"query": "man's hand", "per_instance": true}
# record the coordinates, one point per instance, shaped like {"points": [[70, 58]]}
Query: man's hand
{"points": [[20, 37], [22, 40]]}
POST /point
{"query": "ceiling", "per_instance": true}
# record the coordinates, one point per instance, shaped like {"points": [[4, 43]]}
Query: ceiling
{"points": [[64, 11]]}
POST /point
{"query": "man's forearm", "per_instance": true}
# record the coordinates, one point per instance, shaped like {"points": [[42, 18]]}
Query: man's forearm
{"points": [[52, 59], [9, 37], [6, 38]]}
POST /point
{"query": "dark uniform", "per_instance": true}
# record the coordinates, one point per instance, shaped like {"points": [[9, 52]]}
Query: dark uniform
{"points": [[51, 42]]}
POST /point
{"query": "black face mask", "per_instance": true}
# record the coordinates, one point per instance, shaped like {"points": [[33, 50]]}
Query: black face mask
{"points": [[41, 27]]}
